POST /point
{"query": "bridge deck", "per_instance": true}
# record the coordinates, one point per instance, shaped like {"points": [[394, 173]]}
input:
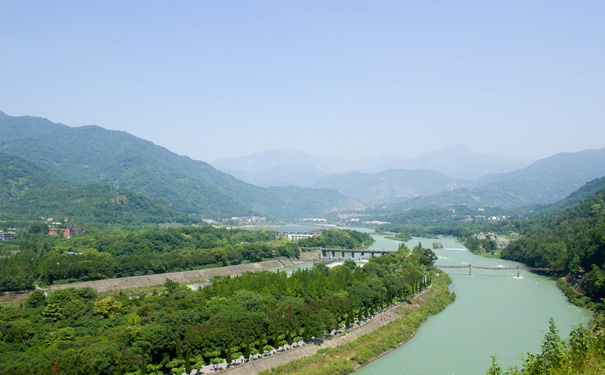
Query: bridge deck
{"points": [[499, 268]]}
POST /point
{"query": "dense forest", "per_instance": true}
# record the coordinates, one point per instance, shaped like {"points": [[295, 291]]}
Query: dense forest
{"points": [[177, 329], [45, 260], [28, 192], [572, 241], [91, 154]]}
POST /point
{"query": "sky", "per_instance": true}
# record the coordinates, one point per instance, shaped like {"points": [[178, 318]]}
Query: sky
{"points": [[346, 79]]}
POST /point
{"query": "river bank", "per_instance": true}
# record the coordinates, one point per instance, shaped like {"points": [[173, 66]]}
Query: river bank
{"points": [[367, 343], [199, 275]]}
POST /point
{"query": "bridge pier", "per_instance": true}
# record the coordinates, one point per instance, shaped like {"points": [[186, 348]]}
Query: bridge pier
{"points": [[470, 266]]}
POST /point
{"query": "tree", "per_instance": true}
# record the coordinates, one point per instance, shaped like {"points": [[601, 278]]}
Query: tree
{"points": [[494, 368], [38, 228], [552, 347], [36, 299], [107, 307]]}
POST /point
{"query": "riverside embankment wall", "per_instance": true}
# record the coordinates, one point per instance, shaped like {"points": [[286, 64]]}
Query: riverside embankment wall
{"points": [[181, 277]]}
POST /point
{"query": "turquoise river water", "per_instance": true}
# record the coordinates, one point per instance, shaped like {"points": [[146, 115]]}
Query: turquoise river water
{"points": [[495, 313]]}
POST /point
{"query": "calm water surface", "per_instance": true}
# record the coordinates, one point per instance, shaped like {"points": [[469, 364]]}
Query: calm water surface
{"points": [[495, 313]]}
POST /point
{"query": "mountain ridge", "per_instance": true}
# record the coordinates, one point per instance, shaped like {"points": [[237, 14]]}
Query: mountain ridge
{"points": [[89, 154], [28, 191], [543, 182]]}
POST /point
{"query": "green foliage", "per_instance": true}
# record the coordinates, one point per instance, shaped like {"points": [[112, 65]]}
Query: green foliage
{"points": [[347, 357], [582, 353], [50, 260], [36, 299], [29, 192], [571, 241], [90, 154], [338, 239], [87, 333]]}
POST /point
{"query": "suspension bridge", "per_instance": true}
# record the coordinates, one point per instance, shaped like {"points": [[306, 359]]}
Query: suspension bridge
{"points": [[518, 268]]}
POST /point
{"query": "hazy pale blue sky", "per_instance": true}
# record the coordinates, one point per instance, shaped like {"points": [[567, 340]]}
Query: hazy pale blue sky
{"points": [[214, 79]]}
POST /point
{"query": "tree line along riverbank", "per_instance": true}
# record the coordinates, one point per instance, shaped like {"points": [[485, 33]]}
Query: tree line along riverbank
{"points": [[78, 331], [348, 357]]}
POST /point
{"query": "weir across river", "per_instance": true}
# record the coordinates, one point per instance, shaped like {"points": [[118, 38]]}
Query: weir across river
{"points": [[518, 268], [349, 253]]}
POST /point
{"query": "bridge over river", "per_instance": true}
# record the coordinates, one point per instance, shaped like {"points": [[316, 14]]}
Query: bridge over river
{"points": [[346, 254], [518, 268]]}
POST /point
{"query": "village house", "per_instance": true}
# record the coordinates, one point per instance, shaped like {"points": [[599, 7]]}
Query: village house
{"points": [[6, 236], [67, 232]]}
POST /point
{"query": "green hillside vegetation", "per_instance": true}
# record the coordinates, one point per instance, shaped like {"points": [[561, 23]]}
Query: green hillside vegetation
{"points": [[459, 221], [47, 260], [585, 192], [571, 241], [543, 182], [28, 192], [81, 332], [91, 154]]}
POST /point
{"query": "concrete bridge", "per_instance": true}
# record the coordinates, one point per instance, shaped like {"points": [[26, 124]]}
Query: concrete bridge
{"points": [[351, 253]]}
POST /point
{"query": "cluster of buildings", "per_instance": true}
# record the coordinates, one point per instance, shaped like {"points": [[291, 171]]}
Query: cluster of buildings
{"points": [[294, 236], [7, 236], [500, 240], [247, 219], [66, 232], [315, 220]]}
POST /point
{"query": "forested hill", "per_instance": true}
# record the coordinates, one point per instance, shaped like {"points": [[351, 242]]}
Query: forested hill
{"points": [[570, 240], [586, 191], [28, 192], [543, 182], [91, 154]]}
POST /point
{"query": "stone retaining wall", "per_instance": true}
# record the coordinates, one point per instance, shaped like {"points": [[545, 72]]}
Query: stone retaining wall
{"points": [[181, 277]]}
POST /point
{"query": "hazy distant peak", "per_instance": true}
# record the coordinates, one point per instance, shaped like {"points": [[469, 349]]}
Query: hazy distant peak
{"points": [[262, 160], [455, 160]]}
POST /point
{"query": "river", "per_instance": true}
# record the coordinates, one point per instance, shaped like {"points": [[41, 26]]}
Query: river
{"points": [[495, 313]]}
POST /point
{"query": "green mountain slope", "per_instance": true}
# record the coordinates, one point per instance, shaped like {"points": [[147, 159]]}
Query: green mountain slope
{"points": [[90, 154], [572, 240], [543, 182], [29, 192], [578, 196]]}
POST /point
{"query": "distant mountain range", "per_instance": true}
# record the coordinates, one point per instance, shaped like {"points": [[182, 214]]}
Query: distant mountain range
{"points": [[275, 168], [91, 154], [392, 185], [543, 182]]}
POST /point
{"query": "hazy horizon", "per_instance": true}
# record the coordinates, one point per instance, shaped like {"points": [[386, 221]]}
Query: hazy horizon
{"points": [[348, 80]]}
